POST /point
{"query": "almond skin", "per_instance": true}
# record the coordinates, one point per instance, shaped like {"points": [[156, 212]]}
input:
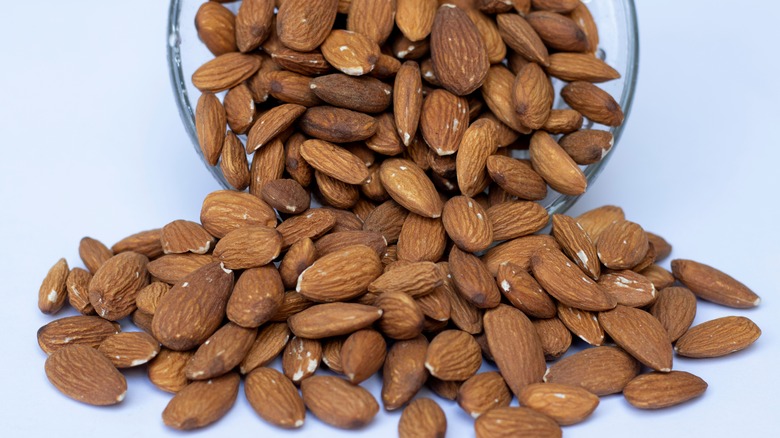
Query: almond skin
{"points": [[77, 286], [87, 330], [272, 123], [225, 72], [453, 355], [595, 221], [270, 341], [359, 57], [275, 398], [404, 372], [587, 146], [362, 355], [582, 323], [478, 143], [225, 210], [514, 219], [408, 185], [718, 337], [201, 403], [415, 18], [145, 242], [483, 392], [600, 370], [114, 287], [576, 244], [407, 101], [472, 280], [373, 18], [580, 67], [84, 374], [338, 403], [467, 224], [254, 22], [516, 178], [662, 390], [415, 279], [166, 371], [423, 417], [363, 94], [518, 251], [640, 334], [558, 31], [629, 288], [565, 404], [553, 164], [286, 195], [443, 120], [522, 38], [172, 268], [301, 358], [411, 244], [401, 318], [93, 253], [340, 275], [713, 285], [567, 283], [554, 336], [524, 292], [52, 293], [248, 247], [593, 102], [182, 236], [615, 254], [216, 26], [334, 161], [333, 319], [312, 223], [337, 125], [221, 352], [515, 421], [675, 309], [453, 32], [210, 120], [129, 349], [303, 25], [533, 96]]}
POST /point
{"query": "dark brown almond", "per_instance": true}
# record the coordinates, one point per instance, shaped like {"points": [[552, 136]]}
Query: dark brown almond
{"points": [[129, 349], [269, 343], [714, 285], [622, 245], [576, 244], [339, 403], [515, 346], [335, 161], [515, 421], [93, 253], [518, 34], [114, 287], [87, 330], [407, 101], [216, 27], [166, 371], [558, 31], [587, 146], [337, 125], [303, 25], [256, 297], [562, 6], [144, 242], [483, 392], [718, 337], [532, 95], [566, 404], [286, 196], [567, 283], [582, 323], [225, 210], [404, 372], [453, 32], [275, 399], [523, 291], [453, 355], [53, 290], [301, 358], [234, 163], [333, 319], [640, 334], [422, 418], [554, 336], [172, 268], [254, 22], [629, 288], [194, 308], [472, 279], [363, 94], [272, 123], [202, 403], [225, 71], [516, 177], [84, 374], [593, 102], [340, 275], [662, 390], [518, 251], [362, 355], [600, 370], [249, 247]]}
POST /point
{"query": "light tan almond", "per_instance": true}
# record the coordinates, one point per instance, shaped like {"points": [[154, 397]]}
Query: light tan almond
{"points": [[362, 355], [93, 253], [483, 392], [486, 26], [522, 38], [408, 185], [301, 358], [566, 404], [415, 279], [660, 277], [84, 374], [249, 247], [497, 93], [372, 18], [415, 18], [454, 33], [335, 241], [718, 337], [53, 291], [339, 403], [629, 288], [453, 355], [436, 305], [576, 244], [675, 308], [194, 308], [661, 390], [595, 221], [272, 123], [202, 403], [333, 319], [303, 25], [145, 242], [225, 71], [166, 371], [478, 143], [524, 292], [553, 164], [580, 67], [340, 275], [622, 245], [582, 323], [334, 161], [422, 418], [350, 52], [515, 346], [567, 283], [554, 336], [240, 108], [600, 370], [182, 236], [714, 285], [583, 18], [129, 349], [254, 22], [386, 219], [515, 421], [640, 334], [114, 287], [172, 268], [331, 354], [216, 27], [275, 399], [407, 101], [593, 102], [269, 343], [226, 210], [87, 330], [421, 239]]}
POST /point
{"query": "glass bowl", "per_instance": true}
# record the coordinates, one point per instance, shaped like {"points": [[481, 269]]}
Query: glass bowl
{"points": [[618, 46]]}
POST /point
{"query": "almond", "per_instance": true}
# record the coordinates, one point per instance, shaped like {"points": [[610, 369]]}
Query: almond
{"points": [[386, 219], [86, 330], [182, 236], [240, 108], [660, 277], [301, 358], [303, 25], [576, 244], [629, 288], [275, 398], [225, 72], [363, 94], [453, 355], [497, 93], [516, 177], [584, 20], [580, 67], [84, 374], [407, 101], [593, 102], [404, 372], [533, 96], [254, 22], [331, 354], [563, 121], [622, 245], [350, 52], [415, 18], [483, 392], [145, 242], [467, 224], [565, 404], [333, 319], [443, 120], [93, 253], [675, 308], [421, 239], [77, 286], [271, 340], [221, 352], [286, 196], [582, 323], [334, 161], [436, 305], [224, 211], [454, 33], [472, 279], [292, 88], [517, 251], [423, 417], [385, 141], [249, 247], [494, 45], [338, 403], [515, 346], [567, 283], [115, 285], [524, 292], [52, 293], [640, 334], [201, 403], [518, 34], [216, 27], [311, 224], [478, 143], [713, 285], [553, 164], [600, 370], [595, 221], [554, 336], [362, 355], [558, 31], [267, 165], [130, 349], [372, 18], [337, 125], [166, 371], [272, 123], [194, 308], [662, 390], [340, 275], [408, 185], [587, 146], [515, 421], [662, 247], [718, 337], [172, 268], [210, 120], [415, 279]]}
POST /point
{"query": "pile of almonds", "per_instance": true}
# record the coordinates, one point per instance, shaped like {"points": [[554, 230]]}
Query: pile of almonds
{"points": [[398, 293], [331, 94]]}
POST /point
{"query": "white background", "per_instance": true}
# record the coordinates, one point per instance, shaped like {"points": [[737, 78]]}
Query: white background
{"points": [[92, 144]]}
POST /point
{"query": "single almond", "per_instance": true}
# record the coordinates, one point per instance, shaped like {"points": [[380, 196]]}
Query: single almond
{"points": [[239, 108], [334, 161], [270, 341], [558, 31], [436, 305], [675, 308], [554, 336], [387, 219], [272, 123], [587, 146], [340, 275], [182, 236], [515, 421], [363, 94], [600, 370], [93, 253], [478, 143], [521, 37], [335, 241], [254, 22], [331, 354], [362, 355], [483, 392], [567, 283], [576, 244], [593, 102], [660, 277], [407, 101], [166, 371], [303, 25], [77, 286], [225, 71], [582, 323], [423, 417], [202, 402], [301, 358], [661, 390], [53, 291], [640, 334], [286, 196], [404, 372], [629, 288], [454, 33], [226, 210], [267, 165], [129, 349], [472, 279], [518, 251], [221, 352], [595, 221], [714, 285], [172, 268], [622, 245], [415, 279], [145, 242], [114, 287], [443, 121], [566, 404], [562, 6], [311, 224], [718, 337], [292, 88], [408, 185], [339, 403], [84, 374], [532, 95], [524, 292], [350, 52], [216, 26], [516, 177], [496, 91], [338, 125], [553, 164], [415, 18], [333, 319], [662, 247], [453, 355], [563, 121], [467, 224], [580, 67], [210, 120], [421, 239], [249, 247], [275, 399], [372, 18], [71, 330]]}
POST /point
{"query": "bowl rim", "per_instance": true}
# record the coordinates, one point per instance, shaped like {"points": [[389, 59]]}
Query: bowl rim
{"points": [[558, 206]]}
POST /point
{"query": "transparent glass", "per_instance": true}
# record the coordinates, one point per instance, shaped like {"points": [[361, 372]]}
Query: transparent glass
{"points": [[618, 46]]}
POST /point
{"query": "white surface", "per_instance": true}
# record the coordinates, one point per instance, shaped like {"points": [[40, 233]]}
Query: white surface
{"points": [[92, 145]]}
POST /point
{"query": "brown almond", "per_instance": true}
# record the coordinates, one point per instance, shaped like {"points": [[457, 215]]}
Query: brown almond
{"points": [[334, 161], [593, 102], [275, 399], [404, 372], [333, 319], [221, 352], [311, 224], [216, 26], [524, 292], [558, 31], [515, 421], [518, 251], [53, 291], [337, 125], [587, 146], [446, 389], [84, 374], [422, 418], [415, 279], [714, 285], [584, 20], [675, 308], [718, 337], [269, 343], [515, 346], [453, 355], [149, 297], [567, 283], [225, 72], [640, 334], [172, 268], [580, 67], [182, 236], [301, 358], [516, 177], [563, 121], [566, 404], [518, 34], [421, 239], [407, 101], [387, 219], [286, 196], [662, 390], [254, 22], [582, 323], [272, 123], [234, 163], [362, 355], [87, 330], [115, 285], [478, 143], [166, 371], [372, 18], [467, 224], [415, 18], [443, 120], [408, 185], [145, 242], [194, 308], [472, 279], [129, 349], [77, 287], [335, 193], [465, 315], [595, 221], [576, 244], [600, 370], [562, 6], [532, 96], [486, 26], [386, 140], [350, 52], [93, 253], [340, 275], [363, 94], [248, 247], [660, 277], [339, 403], [622, 245], [483, 392], [662, 247], [553, 164], [331, 354], [497, 93], [335, 241], [267, 165], [454, 33], [629, 288], [225, 210], [303, 25], [201, 403], [401, 318], [554, 336], [239, 108], [436, 305], [292, 88]]}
